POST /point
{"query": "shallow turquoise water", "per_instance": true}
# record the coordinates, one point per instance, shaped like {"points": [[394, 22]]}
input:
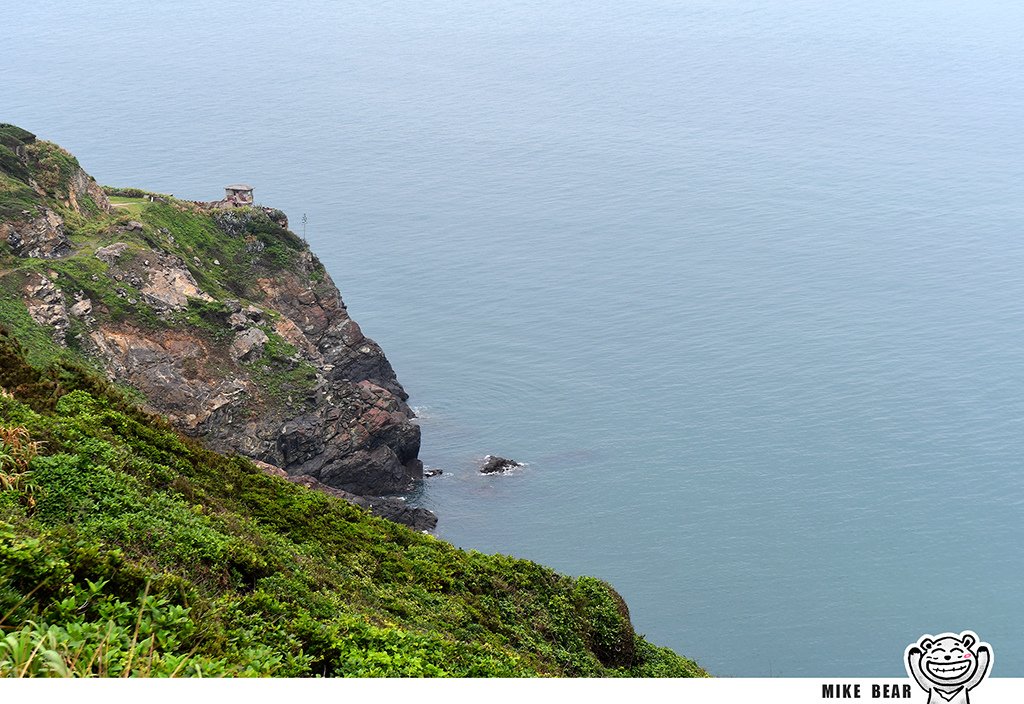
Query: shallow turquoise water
{"points": [[740, 281]]}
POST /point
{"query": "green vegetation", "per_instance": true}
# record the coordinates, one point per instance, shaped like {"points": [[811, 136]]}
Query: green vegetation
{"points": [[22, 159], [12, 140], [16, 197], [279, 374], [12, 136], [133, 193], [133, 206], [206, 318], [52, 167], [39, 345], [127, 549]]}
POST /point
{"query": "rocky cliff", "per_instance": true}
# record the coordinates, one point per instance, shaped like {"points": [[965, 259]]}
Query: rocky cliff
{"points": [[221, 319]]}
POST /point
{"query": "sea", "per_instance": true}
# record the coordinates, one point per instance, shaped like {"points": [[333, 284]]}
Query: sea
{"points": [[740, 282]]}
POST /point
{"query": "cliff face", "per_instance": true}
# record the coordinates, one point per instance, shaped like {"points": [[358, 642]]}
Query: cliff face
{"points": [[223, 320], [41, 185], [281, 374]]}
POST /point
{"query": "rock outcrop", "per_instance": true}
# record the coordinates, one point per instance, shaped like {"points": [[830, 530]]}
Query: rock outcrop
{"points": [[41, 236], [47, 305], [496, 465], [225, 322], [57, 181], [346, 424]]}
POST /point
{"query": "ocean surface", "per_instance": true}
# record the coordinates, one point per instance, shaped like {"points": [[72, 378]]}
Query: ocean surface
{"points": [[742, 282]]}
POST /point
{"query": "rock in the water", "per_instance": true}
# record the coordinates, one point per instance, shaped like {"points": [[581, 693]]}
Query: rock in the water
{"points": [[432, 472], [494, 464]]}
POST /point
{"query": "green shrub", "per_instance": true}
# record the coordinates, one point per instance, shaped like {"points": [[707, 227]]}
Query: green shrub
{"points": [[13, 136], [133, 193], [12, 165], [146, 554], [52, 167]]}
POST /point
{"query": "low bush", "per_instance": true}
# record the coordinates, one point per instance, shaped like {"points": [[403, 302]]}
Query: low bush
{"points": [[143, 553]]}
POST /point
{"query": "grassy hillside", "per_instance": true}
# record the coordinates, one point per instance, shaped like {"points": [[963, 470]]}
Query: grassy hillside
{"points": [[125, 547]]}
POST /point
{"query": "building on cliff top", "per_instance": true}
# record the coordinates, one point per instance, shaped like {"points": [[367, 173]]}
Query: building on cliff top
{"points": [[238, 194]]}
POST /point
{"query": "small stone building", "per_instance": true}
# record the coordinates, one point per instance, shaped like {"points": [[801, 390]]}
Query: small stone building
{"points": [[238, 194]]}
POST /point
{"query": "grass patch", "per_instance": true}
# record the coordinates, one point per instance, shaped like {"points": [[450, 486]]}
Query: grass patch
{"points": [[41, 350], [284, 379], [133, 206], [207, 318], [116, 301], [52, 167], [18, 201]]}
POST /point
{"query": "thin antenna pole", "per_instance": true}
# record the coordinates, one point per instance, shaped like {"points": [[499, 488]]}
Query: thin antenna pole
{"points": [[304, 221]]}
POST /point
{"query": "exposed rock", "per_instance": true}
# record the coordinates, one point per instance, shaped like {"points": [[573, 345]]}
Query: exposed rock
{"points": [[494, 464], [40, 234], [42, 237], [248, 345], [163, 279], [400, 512], [272, 470], [168, 367], [392, 509], [82, 184], [432, 472], [169, 284], [331, 408], [111, 253], [81, 309], [349, 428], [47, 306]]}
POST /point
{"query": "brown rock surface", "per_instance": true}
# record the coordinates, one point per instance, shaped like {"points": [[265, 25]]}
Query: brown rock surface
{"points": [[349, 427], [257, 356]]}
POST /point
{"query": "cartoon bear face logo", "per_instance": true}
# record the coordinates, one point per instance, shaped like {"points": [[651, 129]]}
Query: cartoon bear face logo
{"points": [[949, 664], [949, 660]]}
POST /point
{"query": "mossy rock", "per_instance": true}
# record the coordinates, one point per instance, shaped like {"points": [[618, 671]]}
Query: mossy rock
{"points": [[13, 136]]}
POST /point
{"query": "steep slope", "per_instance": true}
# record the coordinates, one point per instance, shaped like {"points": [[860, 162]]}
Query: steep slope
{"points": [[220, 317], [128, 549]]}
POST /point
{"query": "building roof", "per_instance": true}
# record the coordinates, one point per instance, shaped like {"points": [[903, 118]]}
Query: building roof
{"points": [[238, 187]]}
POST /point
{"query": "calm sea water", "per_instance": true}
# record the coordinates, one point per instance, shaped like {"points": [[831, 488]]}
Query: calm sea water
{"points": [[743, 282]]}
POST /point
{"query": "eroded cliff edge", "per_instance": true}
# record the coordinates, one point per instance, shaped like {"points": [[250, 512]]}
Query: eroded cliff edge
{"points": [[221, 318]]}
